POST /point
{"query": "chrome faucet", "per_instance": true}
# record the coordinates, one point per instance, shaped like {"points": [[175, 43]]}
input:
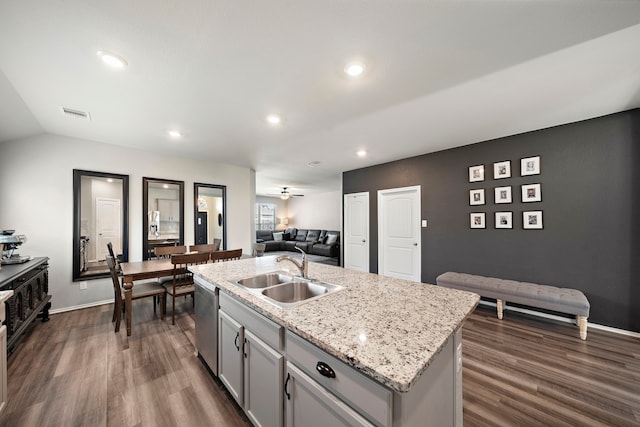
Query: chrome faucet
{"points": [[302, 266]]}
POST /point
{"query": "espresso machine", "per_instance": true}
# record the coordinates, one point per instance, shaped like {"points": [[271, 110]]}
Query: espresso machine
{"points": [[9, 242]]}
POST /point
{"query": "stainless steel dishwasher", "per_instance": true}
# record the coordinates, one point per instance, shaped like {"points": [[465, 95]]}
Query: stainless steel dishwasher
{"points": [[206, 319]]}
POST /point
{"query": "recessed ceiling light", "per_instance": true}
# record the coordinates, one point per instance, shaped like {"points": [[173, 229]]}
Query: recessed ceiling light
{"points": [[273, 119], [112, 59], [354, 69], [313, 164], [175, 133], [361, 153]]}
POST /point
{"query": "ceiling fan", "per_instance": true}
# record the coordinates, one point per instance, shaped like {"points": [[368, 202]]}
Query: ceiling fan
{"points": [[285, 194]]}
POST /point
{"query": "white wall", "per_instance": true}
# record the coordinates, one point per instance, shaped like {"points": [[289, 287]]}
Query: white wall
{"points": [[318, 211], [36, 199]]}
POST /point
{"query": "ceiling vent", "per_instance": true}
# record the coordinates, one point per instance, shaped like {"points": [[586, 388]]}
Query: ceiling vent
{"points": [[70, 112]]}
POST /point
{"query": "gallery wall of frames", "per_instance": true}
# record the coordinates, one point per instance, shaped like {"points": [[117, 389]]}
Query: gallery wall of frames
{"points": [[502, 195]]}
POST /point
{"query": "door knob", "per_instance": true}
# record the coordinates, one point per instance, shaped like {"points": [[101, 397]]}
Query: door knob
{"points": [[364, 241], [415, 244]]}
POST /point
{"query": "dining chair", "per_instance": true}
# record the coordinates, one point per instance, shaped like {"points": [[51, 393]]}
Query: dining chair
{"points": [[203, 248], [227, 255], [167, 251], [217, 242], [139, 290], [182, 283]]}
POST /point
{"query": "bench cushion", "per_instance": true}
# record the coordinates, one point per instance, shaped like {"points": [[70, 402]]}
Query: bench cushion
{"points": [[562, 300]]}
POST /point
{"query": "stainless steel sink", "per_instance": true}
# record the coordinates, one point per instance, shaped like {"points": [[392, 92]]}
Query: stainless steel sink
{"points": [[284, 290], [265, 280]]}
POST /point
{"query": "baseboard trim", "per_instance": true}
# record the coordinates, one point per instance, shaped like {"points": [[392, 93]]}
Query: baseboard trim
{"points": [[80, 307], [562, 319]]}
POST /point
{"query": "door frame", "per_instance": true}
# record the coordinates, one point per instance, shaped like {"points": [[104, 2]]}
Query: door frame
{"points": [[367, 228], [381, 194]]}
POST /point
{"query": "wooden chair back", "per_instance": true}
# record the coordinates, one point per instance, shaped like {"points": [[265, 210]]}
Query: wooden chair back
{"points": [[167, 251], [226, 255], [110, 249], [217, 242], [117, 291], [111, 263], [181, 275], [203, 248], [115, 259]]}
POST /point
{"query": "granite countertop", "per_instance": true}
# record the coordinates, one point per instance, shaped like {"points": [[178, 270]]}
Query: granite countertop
{"points": [[388, 329]]}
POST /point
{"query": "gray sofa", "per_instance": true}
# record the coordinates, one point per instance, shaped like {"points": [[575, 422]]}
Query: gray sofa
{"points": [[312, 241]]}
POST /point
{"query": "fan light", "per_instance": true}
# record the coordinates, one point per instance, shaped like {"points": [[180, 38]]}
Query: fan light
{"points": [[284, 195]]}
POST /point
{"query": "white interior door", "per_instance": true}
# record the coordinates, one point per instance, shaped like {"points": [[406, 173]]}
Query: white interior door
{"points": [[356, 230], [399, 240], [108, 226]]}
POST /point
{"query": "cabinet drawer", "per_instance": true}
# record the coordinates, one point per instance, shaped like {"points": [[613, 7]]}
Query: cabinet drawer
{"points": [[368, 397], [267, 330]]}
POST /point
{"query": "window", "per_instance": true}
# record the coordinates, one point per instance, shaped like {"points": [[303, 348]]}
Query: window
{"points": [[265, 216]]}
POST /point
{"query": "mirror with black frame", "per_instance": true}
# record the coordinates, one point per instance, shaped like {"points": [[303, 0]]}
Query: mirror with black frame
{"points": [[210, 204], [100, 216], [162, 214]]}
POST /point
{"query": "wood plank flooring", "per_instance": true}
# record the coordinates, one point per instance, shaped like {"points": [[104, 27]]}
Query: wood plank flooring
{"points": [[529, 371], [522, 371], [75, 371]]}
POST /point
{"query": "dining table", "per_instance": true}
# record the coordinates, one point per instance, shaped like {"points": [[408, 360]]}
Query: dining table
{"points": [[141, 270]]}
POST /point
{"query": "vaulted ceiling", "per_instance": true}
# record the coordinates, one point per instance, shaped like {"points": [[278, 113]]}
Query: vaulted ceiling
{"points": [[439, 74]]}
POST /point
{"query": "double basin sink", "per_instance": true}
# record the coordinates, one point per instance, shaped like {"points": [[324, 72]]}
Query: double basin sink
{"points": [[285, 290]]}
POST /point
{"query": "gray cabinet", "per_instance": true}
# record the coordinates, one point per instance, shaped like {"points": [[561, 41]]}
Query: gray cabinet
{"points": [[263, 373], [308, 404], [230, 363], [361, 394], [251, 361]]}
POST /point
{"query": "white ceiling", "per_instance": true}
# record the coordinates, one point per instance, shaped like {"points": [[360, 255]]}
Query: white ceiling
{"points": [[440, 74]]}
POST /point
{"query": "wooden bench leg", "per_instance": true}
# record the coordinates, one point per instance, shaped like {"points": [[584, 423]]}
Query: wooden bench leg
{"points": [[499, 307], [582, 323]]}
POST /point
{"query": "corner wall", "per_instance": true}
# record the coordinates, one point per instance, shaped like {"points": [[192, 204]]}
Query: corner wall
{"points": [[590, 185], [36, 199]]}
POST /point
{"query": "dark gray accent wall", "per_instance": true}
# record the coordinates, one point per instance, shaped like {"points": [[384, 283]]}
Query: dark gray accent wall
{"points": [[590, 177]]}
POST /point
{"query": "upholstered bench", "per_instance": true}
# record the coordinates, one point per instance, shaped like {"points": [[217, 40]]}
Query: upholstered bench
{"points": [[562, 300]]}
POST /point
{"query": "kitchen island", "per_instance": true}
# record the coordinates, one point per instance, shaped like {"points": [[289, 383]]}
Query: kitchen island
{"points": [[388, 351]]}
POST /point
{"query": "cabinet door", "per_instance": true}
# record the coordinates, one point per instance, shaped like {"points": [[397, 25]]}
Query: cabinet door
{"points": [[308, 404], [230, 340], [263, 375], [169, 210]]}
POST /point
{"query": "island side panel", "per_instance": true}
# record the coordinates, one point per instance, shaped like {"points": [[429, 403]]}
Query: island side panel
{"points": [[436, 398]]}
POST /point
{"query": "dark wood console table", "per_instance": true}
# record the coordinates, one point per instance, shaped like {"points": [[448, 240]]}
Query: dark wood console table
{"points": [[30, 284]]}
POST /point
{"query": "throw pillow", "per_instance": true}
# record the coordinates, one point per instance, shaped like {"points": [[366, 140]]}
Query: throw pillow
{"points": [[278, 236], [331, 239], [286, 236]]}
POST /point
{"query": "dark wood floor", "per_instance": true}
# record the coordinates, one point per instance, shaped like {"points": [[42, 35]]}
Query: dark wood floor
{"points": [[522, 371]]}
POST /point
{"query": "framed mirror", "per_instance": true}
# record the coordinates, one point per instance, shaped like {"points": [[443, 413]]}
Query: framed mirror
{"points": [[162, 214], [210, 214], [100, 216]]}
